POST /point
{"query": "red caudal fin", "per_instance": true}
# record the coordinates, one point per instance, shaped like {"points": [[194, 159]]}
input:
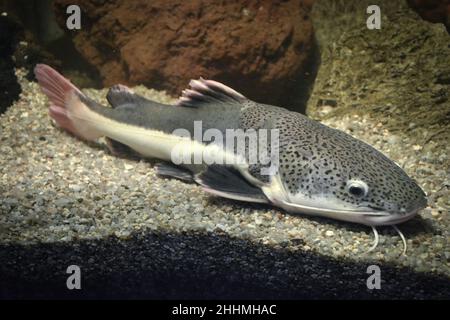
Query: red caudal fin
{"points": [[66, 107]]}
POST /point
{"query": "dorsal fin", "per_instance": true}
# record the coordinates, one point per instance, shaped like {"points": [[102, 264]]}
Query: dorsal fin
{"points": [[208, 91]]}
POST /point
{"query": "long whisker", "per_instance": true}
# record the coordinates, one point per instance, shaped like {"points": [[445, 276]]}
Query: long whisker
{"points": [[375, 242], [401, 236]]}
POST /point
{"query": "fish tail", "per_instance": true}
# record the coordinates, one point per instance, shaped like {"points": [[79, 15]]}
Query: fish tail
{"points": [[66, 103]]}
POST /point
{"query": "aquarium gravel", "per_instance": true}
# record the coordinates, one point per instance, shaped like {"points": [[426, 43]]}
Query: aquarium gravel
{"points": [[56, 189]]}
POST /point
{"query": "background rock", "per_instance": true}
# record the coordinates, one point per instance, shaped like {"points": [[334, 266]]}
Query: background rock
{"points": [[31, 35], [398, 76], [433, 10], [10, 88], [261, 48]]}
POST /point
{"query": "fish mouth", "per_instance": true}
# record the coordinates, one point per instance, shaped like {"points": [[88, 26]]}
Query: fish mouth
{"points": [[370, 216], [394, 217], [358, 215], [390, 218]]}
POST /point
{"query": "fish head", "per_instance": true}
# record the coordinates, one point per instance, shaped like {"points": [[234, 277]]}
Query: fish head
{"points": [[345, 179]]}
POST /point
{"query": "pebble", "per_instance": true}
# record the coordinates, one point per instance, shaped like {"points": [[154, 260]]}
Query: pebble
{"points": [[435, 212], [75, 187]]}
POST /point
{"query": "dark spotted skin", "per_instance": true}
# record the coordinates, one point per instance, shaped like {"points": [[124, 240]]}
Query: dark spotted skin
{"points": [[316, 159]]}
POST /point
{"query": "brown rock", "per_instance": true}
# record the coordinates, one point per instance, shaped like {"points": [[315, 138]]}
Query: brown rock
{"points": [[437, 11], [260, 48]]}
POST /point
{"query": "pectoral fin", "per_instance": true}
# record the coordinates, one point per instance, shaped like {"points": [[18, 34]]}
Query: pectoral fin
{"points": [[167, 170], [227, 182]]}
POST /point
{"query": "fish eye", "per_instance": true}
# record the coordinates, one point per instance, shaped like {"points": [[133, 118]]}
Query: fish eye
{"points": [[357, 188]]}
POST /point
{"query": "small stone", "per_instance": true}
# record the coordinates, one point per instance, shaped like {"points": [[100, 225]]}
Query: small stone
{"points": [[220, 227], [124, 235], [62, 202], [258, 220], [434, 212], [75, 187], [329, 233]]}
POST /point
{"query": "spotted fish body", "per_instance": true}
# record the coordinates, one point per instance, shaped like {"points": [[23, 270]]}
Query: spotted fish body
{"points": [[318, 162], [322, 171]]}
